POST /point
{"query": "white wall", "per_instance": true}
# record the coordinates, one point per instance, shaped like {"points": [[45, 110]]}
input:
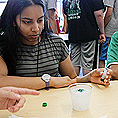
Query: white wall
{"points": [[2, 6]]}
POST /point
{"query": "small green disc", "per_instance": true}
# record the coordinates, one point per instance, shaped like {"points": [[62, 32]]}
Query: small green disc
{"points": [[80, 90], [44, 104]]}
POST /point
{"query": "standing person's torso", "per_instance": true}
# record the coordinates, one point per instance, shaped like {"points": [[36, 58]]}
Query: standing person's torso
{"points": [[82, 24], [112, 25]]}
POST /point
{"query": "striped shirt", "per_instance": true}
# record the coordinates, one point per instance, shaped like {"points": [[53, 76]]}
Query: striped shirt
{"points": [[44, 57]]}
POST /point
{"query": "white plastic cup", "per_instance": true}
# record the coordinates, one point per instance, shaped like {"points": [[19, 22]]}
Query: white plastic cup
{"points": [[80, 95]]}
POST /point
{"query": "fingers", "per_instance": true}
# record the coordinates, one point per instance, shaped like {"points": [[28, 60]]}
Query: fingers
{"points": [[19, 104], [13, 95], [104, 83], [97, 74], [8, 94], [107, 78], [108, 74], [21, 91]]}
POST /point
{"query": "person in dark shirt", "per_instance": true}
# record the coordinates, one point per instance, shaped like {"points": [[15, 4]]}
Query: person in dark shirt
{"points": [[85, 27]]}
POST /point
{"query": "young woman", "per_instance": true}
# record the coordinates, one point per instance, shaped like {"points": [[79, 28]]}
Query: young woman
{"points": [[28, 51]]}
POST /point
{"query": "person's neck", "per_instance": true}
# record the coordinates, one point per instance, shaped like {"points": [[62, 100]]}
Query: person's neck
{"points": [[27, 42]]}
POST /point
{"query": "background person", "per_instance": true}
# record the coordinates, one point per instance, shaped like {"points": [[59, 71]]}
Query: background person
{"points": [[85, 26], [50, 8], [65, 26], [111, 26], [57, 22]]}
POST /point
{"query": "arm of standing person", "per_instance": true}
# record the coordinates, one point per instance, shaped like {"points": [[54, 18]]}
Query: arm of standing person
{"points": [[100, 21], [108, 15], [65, 23], [52, 21], [11, 99]]}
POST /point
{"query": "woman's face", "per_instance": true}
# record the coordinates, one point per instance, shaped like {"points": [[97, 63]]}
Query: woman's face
{"points": [[30, 24]]}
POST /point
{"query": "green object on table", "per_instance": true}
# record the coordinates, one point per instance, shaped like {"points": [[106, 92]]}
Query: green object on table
{"points": [[44, 104], [80, 90]]}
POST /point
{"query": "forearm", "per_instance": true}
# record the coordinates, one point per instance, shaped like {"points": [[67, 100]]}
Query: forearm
{"points": [[65, 24], [52, 21], [100, 20], [85, 78], [108, 15], [22, 82], [106, 20], [100, 23], [53, 25], [114, 68], [66, 68]]}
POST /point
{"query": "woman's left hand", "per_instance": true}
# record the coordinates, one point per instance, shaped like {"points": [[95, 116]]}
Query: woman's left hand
{"points": [[96, 74]]}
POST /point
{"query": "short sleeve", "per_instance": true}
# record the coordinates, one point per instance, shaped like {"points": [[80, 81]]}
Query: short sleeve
{"points": [[109, 3], [61, 50], [97, 5], [112, 54], [52, 4], [64, 51]]}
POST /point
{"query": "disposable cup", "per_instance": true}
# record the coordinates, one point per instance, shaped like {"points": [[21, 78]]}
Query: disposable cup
{"points": [[80, 95]]}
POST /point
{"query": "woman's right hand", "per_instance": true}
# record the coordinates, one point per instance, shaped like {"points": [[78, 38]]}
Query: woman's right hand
{"points": [[58, 82]]}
